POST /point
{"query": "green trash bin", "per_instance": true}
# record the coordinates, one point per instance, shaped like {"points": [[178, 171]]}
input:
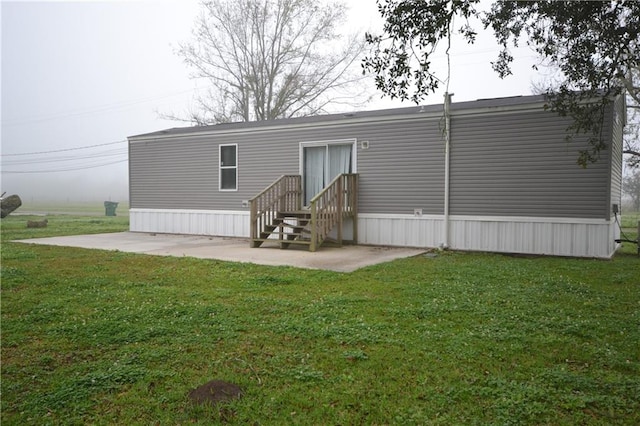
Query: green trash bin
{"points": [[110, 208]]}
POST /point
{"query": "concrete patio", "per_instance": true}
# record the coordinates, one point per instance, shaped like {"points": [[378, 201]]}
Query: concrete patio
{"points": [[339, 259]]}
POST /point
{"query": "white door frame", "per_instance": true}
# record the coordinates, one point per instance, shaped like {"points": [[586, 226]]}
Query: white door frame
{"points": [[354, 151], [352, 142]]}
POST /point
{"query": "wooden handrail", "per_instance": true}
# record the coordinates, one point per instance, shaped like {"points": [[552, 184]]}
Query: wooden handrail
{"points": [[326, 211], [328, 208], [283, 195]]}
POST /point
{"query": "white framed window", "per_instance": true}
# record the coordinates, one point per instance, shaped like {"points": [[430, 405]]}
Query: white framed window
{"points": [[228, 172]]}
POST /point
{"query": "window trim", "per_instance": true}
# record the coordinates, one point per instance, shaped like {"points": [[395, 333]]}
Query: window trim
{"points": [[221, 167]]}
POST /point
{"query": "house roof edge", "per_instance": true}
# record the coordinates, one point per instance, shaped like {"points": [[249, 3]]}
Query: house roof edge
{"points": [[368, 115]]}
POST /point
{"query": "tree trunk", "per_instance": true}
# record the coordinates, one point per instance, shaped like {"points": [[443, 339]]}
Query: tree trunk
{"points": [[9, 204]]}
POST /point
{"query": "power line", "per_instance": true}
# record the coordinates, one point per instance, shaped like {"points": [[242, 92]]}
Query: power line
{"points": [[66, 162], [92, 110], [62, 150], [62, 170], [58, 159]]}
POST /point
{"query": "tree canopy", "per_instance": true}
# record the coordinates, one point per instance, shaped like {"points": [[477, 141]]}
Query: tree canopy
{"points": [[267, 59], [593, 43]]}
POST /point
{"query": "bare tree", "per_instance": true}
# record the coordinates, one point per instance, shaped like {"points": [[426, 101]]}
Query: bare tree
{"points": [[267, 59], [631, 186]]}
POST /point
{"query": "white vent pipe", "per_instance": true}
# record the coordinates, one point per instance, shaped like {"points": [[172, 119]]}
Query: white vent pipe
{"points": [[447, 143]]}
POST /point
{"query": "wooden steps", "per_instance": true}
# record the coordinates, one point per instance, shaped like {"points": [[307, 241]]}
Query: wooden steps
{"points": [[289, 228], [276, 213]]}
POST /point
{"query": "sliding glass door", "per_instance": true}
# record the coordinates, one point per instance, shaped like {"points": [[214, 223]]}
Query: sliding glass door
{"points": [[321, 163]]}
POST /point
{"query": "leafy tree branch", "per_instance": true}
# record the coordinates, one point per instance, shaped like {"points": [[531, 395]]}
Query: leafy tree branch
{"points": [[594, 44]]}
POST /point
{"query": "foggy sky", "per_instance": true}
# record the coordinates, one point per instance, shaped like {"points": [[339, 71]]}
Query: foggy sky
{"points": [[78, 74]]}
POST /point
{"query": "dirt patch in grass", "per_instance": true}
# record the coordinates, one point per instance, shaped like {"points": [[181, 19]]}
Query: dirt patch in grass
{"points": [[214, 392]]}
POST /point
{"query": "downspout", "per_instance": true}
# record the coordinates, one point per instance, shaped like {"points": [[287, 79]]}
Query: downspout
{"points": [[447, 143]]}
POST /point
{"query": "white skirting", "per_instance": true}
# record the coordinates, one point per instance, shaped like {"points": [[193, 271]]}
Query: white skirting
{"points": [[192, 222], [542, 236], [528, 235]]}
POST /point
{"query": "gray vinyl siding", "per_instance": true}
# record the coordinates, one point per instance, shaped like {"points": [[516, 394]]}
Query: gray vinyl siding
{"points": [[514, 163], [619, 120], [171, 174], [519, 164], [183, 172], [401, 170]]}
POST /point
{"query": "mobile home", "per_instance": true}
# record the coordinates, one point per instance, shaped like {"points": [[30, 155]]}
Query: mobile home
{"points": [[491, 175]]}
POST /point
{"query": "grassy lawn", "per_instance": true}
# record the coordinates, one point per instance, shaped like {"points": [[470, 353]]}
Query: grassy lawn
{"points": [[630, 220], [105, 337], [70, 208]]}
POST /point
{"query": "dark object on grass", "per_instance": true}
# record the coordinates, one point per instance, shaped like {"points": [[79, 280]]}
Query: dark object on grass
{"points": [[110, 208], [37, 223], [214, 392], [9, 204]]}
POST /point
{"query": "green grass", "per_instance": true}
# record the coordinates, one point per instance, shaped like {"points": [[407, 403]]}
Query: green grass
{"points": [[14, 227], [70, 208], [630, 220], [105, 337]]}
